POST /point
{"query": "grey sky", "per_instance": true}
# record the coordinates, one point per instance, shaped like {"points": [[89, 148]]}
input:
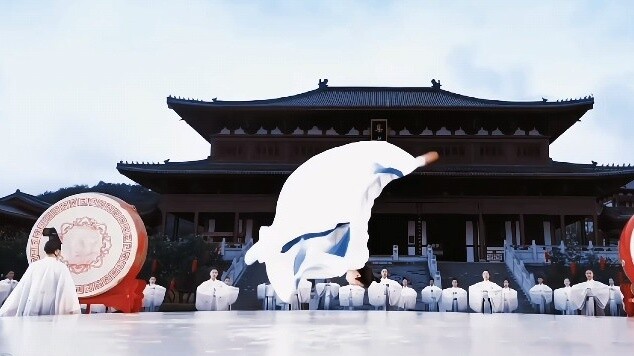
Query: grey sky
{"points": [[83, 83]]}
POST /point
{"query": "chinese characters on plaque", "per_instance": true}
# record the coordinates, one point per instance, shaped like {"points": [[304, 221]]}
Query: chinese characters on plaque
{"points": [[378, 130]]}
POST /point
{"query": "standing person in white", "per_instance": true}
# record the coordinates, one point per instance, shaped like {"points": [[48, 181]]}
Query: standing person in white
{"points": [[590, 297], [7, 286], [562, 301], [408, 296], [454, 298], [153, 295], [509, 298], [541, 296], [486, 296], [615, 304], [320, 229], [209, 292], [431, 295], [47, 288], [385, 293]]}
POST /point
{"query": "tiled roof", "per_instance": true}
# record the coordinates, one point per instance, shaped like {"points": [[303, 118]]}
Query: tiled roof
{"points": [[382, 98]]}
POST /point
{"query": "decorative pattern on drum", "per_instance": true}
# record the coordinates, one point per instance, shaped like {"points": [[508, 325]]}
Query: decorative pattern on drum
{"points": [[626, 247], [100, 237]]}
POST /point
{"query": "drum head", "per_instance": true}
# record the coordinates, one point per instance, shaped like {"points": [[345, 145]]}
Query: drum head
{"points": [[103, 240]]}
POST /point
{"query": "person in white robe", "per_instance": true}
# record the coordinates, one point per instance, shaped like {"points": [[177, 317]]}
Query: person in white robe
{"points": [[590, 297], [561, 299], [486, 296], [47, 288], [153, 295], [430, 296], [325, 294], [615, 303], [211, 294], [454, 298], [320, 229], [509, 298], [7, 286], [386, 293], [351, 296], [541, 297], [408, 296]]}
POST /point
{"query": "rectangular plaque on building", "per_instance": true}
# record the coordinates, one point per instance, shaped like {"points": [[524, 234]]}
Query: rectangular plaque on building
{"points": [[418, 233], [378, 130]]}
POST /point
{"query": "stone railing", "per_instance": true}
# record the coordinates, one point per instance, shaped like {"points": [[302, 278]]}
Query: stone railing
{"points": [[238, 266], [537, 254], [525, 279], [432, 264]]}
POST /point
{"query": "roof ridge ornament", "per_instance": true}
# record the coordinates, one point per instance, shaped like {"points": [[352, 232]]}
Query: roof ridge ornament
{"points": [[435, 84], [323, 84]]}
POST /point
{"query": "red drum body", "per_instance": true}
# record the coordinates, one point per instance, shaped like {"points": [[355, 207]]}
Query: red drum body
{"points": [[104, 243], [627, 261]]}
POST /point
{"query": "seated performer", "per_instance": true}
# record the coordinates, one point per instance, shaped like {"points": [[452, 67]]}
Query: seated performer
{"points": [[351, 296], [509, 298], [408, 296], [430, 296], [486, 296], [153, 296], [590, 297], [47, 287], [561, 299], [615, 303], [454, 299], [209, 293], [7, 286], [320, 229], [541, 297]]}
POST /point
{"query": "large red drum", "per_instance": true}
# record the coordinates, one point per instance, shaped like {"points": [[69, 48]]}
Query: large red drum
{"points": [[626, 247], [103, 240]]}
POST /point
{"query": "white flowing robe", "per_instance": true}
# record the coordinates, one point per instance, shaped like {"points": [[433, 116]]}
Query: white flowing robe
{"points": [[483, 293], [509, 300], [47, 288], [153, 296], [387, 291], [431, 296], [453, 300], [615, 302], [327, 291], [320, 228], [6, 287], [589, 296], [541, 296], [211, 295], [351, 296], [408, 298], [561, 299]]}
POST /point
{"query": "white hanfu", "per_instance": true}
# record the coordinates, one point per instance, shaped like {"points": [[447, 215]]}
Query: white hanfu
{"points": [[561, 299], [431, 296], [211, 295], [485, 297], [351, 296], [326, 294], [6, 287], [454, 299], [304, 290], [590, 297], [153, 296], [320, 228], [47, 288], [541, 297], [408, 299], [384, 294], [615, 303], [509, 300]]}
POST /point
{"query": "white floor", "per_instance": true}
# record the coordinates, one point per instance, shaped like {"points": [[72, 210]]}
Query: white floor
{"points": [[341, 333]]}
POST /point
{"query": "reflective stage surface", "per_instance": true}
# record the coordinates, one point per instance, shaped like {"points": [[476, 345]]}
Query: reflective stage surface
{"points": [[343, 333]]}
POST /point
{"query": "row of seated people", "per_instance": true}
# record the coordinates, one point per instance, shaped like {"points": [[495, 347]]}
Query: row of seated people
{"points": [[586, 298], [211, 295]]}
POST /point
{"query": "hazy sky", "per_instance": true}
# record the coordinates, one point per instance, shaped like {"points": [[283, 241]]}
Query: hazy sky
{"points": [[83, 83]]}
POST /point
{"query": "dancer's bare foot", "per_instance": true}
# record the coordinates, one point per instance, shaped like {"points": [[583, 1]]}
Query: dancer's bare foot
{"points": [[427, 158]]}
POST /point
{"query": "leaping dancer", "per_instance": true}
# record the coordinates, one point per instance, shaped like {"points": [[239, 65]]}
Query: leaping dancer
{"points": [[320, 229]]}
